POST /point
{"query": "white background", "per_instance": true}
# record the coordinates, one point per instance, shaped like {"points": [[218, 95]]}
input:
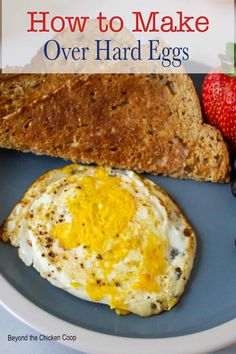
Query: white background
{"points": [[19, 46]]}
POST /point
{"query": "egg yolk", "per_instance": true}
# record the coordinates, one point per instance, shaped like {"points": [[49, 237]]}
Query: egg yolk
{"points": [[101, 209], [153, 264]]}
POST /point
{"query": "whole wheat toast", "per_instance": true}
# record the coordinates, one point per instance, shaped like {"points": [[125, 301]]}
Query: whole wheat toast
{"points": [[18, 90], [150, 123]]}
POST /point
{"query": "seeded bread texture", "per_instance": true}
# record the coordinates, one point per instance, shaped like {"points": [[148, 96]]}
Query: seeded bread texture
{"points": [[18, 90], [147, 122]]}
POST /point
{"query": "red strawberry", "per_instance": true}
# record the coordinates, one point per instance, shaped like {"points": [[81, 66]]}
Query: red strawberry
{"points": [[219, 101]]}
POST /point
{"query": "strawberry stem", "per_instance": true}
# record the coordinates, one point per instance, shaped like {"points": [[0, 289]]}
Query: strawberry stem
{"points": [[228, 60]]}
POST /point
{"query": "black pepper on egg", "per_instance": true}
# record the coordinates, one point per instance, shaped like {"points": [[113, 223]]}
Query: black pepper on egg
{"points": [[153, 306], [173, 253], [187, 232], [178, 272]]}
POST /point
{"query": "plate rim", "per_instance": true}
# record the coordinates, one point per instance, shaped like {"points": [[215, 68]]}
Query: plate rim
{"points": [[88, 341]]}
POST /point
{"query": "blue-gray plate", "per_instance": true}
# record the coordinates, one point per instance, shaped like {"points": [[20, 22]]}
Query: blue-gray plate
{"points": [[210, 297]]}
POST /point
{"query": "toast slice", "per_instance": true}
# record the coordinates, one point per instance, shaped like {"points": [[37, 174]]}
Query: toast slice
{"points": [[144, 122]]}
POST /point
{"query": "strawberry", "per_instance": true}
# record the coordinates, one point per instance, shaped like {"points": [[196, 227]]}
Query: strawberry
{"points": [[219, 98]]}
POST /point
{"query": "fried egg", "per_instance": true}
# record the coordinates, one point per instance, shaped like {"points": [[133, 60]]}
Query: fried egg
{"points": [[104, 235]]}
